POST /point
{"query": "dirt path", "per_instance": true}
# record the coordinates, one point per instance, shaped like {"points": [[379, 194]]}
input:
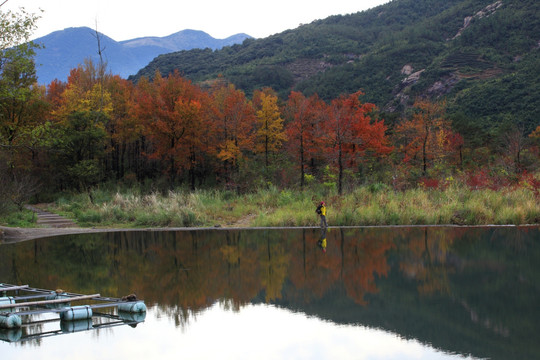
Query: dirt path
{"points": [[55, 225], [9, 234], [244, 222]]}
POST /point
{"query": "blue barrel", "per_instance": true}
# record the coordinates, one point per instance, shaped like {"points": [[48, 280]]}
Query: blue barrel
{"points": [[132, 317], [76, 325], [7, 300], [54, 296], [11, 335], [10, 321], [77, 313], [132, 306]]}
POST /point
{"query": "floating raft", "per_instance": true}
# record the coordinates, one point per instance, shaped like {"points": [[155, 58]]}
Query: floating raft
{"points": [[22, 301]]}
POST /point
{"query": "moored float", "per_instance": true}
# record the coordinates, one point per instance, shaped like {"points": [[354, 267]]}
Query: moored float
{"points": [[19, 304]]}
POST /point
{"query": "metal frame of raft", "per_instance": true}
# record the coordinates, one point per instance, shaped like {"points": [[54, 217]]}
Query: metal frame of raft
{"points": [[74, 318]]}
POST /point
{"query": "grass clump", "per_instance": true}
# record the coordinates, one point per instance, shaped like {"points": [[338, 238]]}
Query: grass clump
{"points": [[18, 218]]}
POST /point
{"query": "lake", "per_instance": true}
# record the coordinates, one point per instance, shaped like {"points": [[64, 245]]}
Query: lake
{"points": [[347, 293]]}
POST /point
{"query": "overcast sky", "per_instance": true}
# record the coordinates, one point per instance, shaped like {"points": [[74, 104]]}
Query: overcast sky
{"points": [[128, 19]]}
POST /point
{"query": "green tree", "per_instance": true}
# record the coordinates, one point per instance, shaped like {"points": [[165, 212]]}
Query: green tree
{"points": [[17, 73], [80, 147], [18, 97]]}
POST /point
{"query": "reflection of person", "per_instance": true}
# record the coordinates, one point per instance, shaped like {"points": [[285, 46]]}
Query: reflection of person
{"points": [[321, 210], [322, 240]]}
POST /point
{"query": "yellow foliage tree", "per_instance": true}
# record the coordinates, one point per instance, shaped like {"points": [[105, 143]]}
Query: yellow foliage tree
{"points": [[270, 130]]}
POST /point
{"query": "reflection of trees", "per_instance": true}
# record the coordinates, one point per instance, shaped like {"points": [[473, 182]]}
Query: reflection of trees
{"points": [[352, 259], [274, 260], [241, 265], [362, 260], [185, 272], [486, 269], [424, 258], [312, 271]]}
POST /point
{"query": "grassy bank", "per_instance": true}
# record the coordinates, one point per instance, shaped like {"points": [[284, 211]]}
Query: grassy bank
{"points": [[369, 205]]}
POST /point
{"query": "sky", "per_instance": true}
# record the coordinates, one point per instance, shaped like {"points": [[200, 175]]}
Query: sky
{"points": [[129, 19]]}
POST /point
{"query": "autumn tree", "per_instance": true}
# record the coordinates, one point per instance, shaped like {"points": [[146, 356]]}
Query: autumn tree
{"points": [[513, 143], [155, 110], [353, 133], [304, 128], [80, 116], [270, 131], [424, 139], [54, 92], [174, 113], [535, 136], [84, 92], [190, 113], [122, 128], [233, 119]]}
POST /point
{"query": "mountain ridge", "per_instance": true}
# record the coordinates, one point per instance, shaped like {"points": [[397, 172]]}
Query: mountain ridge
{"points": [[65, 49]]}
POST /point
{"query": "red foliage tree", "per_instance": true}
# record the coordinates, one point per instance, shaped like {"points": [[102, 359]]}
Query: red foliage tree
{"points": [[305, 118], [353, 133]]}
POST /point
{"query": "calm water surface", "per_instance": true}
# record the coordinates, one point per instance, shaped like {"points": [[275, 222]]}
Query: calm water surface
{"points": [[362, 293]]}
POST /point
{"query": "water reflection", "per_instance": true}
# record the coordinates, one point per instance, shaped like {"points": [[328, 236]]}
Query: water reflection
{"points": [[463, 290], [322, 240]]}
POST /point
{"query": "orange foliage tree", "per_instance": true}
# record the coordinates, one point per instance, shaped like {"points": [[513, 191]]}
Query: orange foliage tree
{"points": [[172, 110], [234, 122], [124, 128], [427, 137], [353, 133], [304, 128]]}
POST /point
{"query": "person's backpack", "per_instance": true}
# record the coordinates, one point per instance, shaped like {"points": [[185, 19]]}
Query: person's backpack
{"points": [[318, 210]]}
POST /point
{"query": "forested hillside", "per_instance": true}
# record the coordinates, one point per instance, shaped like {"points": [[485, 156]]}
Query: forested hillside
{"points": [[482, 55]]}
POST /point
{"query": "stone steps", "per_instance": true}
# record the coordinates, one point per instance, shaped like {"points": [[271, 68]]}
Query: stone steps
{"points": [[47, 219]]}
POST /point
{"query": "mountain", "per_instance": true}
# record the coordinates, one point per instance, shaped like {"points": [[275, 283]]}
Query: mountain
{"points": [[482, 56], [65, 49]]}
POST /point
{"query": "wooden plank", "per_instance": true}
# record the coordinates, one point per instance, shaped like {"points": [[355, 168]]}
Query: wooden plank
{"points": [[45, 302], [11, 288]]}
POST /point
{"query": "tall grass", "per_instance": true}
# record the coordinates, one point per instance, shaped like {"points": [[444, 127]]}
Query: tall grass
{"points": [[130, 209], [18, 218], [366, 205]]}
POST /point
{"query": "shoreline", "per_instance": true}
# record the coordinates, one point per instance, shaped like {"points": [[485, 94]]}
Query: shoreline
{"points": [[15, 235]]}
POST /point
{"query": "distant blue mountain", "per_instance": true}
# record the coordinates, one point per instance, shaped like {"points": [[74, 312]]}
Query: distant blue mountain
{"points": [[65, 49]]}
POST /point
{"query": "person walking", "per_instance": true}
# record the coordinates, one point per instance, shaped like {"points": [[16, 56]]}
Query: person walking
{"points": [[321, 210]]}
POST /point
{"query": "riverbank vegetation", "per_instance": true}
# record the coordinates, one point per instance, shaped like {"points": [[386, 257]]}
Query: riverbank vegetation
{"points": [[374, 204]]}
